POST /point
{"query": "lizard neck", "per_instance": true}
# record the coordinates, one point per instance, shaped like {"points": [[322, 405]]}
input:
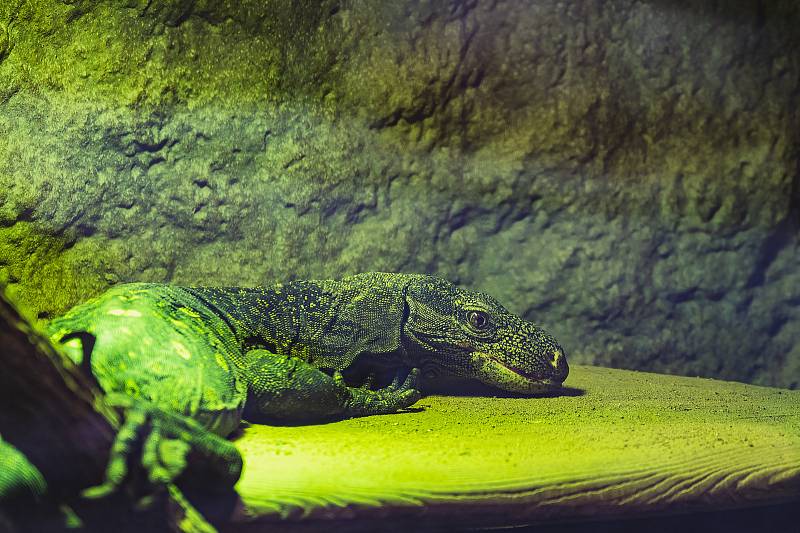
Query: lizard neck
{"points": [[328, 323]]}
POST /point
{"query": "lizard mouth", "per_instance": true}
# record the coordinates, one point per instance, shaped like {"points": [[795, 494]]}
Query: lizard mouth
{"points": [[527, 375], [501, 375]]}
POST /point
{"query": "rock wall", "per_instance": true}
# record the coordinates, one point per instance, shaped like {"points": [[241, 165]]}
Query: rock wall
{"points": [[624, 172]]}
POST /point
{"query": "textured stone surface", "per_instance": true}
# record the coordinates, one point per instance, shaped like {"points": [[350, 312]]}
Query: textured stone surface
{"points": [[625, 173]]}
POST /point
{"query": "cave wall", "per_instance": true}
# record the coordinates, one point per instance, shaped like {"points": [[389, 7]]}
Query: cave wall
{"points": [[623, 172]]}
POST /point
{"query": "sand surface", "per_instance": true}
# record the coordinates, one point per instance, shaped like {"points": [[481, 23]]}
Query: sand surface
{"points": [[617, 443]]}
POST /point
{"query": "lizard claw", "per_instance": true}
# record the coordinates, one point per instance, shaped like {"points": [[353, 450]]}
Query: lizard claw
{"points": [[396, 384], [388, 400], [411, 381]]}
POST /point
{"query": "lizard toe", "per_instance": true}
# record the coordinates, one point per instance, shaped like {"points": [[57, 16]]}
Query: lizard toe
{"points": [[411, 381], [117, 469]]}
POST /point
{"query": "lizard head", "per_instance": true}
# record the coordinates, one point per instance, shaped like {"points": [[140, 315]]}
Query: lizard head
{"points": [[469, 334]]}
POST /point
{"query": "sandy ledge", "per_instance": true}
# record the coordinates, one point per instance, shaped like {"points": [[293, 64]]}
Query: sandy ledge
{"points": [[619, 443]]}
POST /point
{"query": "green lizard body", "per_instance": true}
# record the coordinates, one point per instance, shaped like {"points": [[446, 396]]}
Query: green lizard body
{"points": [[197, 360]]}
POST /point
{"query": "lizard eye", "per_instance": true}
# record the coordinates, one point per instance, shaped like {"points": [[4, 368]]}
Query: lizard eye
{"points": [[478, 320]]}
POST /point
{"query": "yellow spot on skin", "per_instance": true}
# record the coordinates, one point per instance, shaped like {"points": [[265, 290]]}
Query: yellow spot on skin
{"points": [[557, 355], [178, 323], [221, 362], [76, 347], [74, 344], [189, 311], [125, 312], [181, 350]]}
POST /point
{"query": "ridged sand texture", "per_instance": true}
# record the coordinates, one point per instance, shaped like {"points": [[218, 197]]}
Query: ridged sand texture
{"points": [[620, 444]]}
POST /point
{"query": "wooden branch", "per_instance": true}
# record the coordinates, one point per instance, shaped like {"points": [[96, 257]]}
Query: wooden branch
{"points": [[50, 410]]}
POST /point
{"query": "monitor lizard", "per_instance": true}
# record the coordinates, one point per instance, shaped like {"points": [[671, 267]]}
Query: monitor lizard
{"points": [[187, 364]]}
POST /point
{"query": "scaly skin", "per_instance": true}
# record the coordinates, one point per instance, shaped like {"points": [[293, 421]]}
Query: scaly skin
{"points": [[189, 363]]}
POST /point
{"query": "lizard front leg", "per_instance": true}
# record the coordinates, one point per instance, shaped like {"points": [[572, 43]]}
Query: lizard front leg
{"points": [[175, 454], [167, 442], [287, 389]]}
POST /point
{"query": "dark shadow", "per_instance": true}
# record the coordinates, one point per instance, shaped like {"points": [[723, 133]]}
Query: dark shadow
{"points": [[408, 410], [755, 13], [465, 387], [216, 506], [267, 421], [776, 241], [239, 431], [781, 517]]}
